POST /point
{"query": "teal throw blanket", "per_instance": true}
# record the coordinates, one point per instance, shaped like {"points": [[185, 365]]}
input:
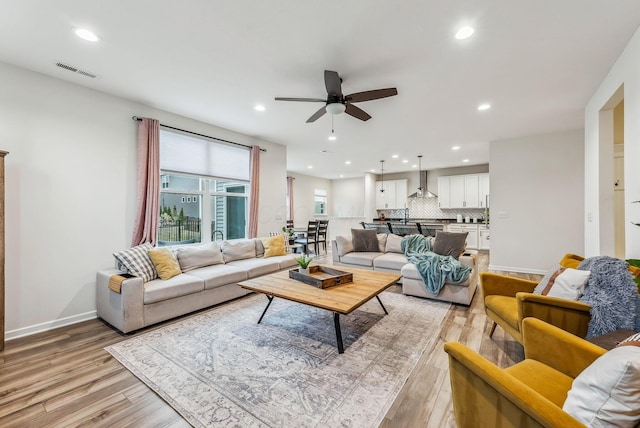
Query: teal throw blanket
{"points": [[434, 269]]}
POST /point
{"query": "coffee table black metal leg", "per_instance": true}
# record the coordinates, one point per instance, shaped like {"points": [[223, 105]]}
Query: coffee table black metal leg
{"points": [[265, 309], [336, 322], [383, 308]]}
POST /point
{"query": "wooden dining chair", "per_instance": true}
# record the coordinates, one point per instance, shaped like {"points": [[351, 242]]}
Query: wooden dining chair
{"points": [[322, 235], [310, 239], [289, 224]]}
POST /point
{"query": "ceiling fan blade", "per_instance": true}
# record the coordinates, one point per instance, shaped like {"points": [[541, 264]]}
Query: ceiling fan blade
{"points": [[359, 97], [333, 83], [311, 100], [357, 112], [317, 115]]}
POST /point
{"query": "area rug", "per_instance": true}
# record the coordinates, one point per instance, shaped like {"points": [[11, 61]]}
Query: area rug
{"points": [[222, 369]]}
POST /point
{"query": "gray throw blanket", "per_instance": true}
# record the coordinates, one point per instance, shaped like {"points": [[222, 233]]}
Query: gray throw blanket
{"points": [[434, 269], [612, 294]]}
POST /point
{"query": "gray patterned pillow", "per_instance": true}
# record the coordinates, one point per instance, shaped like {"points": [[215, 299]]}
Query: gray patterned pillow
{"points": [[450, 243], [137, 262]]}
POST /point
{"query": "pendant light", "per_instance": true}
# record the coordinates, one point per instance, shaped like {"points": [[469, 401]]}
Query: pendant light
{"points": [[420, 193], [381, 176]]}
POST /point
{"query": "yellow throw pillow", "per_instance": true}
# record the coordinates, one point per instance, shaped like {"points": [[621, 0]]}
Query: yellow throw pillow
{"points": [[165, 262], [274, 246]]}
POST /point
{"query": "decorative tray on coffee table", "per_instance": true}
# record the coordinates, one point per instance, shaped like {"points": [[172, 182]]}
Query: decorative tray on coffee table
{"points": [[322, 276]]}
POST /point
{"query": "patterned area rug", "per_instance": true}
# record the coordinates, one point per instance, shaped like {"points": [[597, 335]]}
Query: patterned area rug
{"points": [[221, 369]]}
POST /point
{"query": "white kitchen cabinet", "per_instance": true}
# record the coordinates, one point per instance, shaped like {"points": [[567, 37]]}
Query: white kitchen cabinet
{"points": [[484, 237], [394, 195], [443, 192], [471, 229], [483, 190], [463, 191]]}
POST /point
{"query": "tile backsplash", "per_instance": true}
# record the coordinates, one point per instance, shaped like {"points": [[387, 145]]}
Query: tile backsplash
{"points": [[428, 208]]}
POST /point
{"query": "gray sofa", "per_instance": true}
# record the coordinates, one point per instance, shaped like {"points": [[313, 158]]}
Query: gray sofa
{"points": [[140, 304], [389, 258]]}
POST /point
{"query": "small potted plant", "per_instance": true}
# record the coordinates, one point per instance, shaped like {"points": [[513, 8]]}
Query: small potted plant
{"points": [[289, 232], [304, 261]]}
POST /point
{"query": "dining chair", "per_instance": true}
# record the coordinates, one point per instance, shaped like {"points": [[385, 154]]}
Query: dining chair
{"points": [[311, 237], [289, 224], [322, 235]]}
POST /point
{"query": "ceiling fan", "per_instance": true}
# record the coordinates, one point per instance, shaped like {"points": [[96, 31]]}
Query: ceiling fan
{"points": [[337, 103]]}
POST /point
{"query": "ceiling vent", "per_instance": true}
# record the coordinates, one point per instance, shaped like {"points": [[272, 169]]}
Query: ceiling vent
{"points": [[75, 70]]}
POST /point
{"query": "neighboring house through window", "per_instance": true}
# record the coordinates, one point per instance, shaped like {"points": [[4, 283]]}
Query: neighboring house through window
{"points": [[320, 202], [205, 189]]}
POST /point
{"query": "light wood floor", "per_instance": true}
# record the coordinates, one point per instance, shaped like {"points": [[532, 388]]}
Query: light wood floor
{"points": [[64, 377]]}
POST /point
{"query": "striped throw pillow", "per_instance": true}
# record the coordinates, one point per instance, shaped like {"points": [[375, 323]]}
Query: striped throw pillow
{"points": [[137, 262]]}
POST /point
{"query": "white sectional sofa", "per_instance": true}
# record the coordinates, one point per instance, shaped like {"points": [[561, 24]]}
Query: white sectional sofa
{"points": [[205, 281], [389, 258]]}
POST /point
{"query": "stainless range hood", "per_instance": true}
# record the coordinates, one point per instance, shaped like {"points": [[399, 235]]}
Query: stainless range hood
{"points": [[423, 185]]}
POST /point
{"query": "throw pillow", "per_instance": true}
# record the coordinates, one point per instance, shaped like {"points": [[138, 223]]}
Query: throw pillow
{"points": [[606, 393], [633, 340], [382, 242], [450, 243], [364, 240], [274, 246], [137, 262], [165, 262], [565, 283], [287, 245], [344, 245], [191, 258], [393, 243], [238, 249]]}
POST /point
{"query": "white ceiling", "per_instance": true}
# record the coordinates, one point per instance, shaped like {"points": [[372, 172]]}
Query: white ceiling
{"points": [[536, 62]]}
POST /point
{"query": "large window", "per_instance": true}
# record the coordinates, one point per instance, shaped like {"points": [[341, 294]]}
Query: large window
{"points": [[204, 192], [320, 202]]}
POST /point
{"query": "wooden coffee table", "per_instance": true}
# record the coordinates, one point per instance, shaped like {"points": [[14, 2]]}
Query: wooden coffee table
{"points": [[340, 299]]}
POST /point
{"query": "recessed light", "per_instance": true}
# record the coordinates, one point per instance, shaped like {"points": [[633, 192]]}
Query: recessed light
{"points": [[464, 33], [414, 166], [347, 162], [465, 160], [372, 170], [455, 148], [341, 175], [87, 35], [394, 156], [482, 107], [405, 161], [259, 107], [311, 166]]}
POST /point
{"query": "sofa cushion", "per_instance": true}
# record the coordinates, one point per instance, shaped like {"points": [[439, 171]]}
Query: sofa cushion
{"points": [[359, 259], [165, 262], [506, 306], [238, 249], [344, 245], [364, 240], [273, 246], [137, 262], [393, 243], [606, 393], [256, 267], [285, 261], [219, 275], [450, 243], [199, 256], [411, 271], [392, 261], [180, 285]]}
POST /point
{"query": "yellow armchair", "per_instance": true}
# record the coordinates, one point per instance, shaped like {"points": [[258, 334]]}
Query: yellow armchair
{"points": [[508, 300], [528, 394]]}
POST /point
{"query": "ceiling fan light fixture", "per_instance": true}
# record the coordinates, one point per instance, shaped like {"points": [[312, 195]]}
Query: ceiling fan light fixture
{"points": [[336, 108]]}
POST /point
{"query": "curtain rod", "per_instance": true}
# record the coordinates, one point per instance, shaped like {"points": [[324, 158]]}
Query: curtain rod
{"points": [[138, 119]]}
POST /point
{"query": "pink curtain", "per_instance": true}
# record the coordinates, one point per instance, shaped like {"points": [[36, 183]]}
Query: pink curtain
{"points": [[145, 228], [255, 191], [290, 198]]}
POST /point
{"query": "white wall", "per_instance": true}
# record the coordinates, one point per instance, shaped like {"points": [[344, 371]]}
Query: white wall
{"points": [[624, 75], [303, 197], [537, 182], [70, 192]]}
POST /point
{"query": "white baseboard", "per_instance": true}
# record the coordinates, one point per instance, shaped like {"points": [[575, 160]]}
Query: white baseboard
{"points": [[49, 325], [517, 269]]}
